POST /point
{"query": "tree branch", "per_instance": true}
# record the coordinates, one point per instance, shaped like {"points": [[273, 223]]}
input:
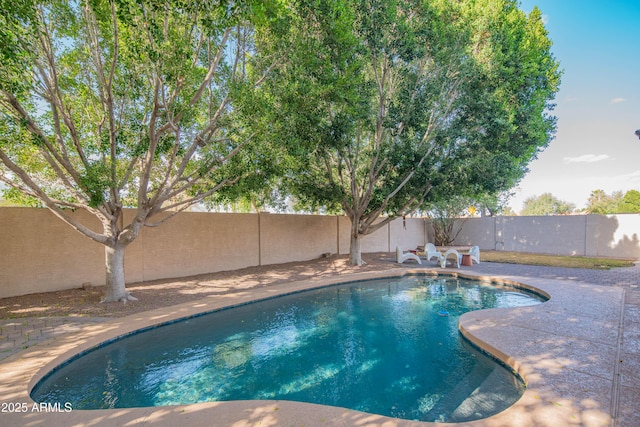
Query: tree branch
{"points": [[50, 203]]}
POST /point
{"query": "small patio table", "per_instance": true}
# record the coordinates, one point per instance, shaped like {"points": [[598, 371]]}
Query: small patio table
{"points": [[463, 252], [466, 260]]}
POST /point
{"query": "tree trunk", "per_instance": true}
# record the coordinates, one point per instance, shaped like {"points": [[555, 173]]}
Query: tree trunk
{"points": [[115, 285], [355, 252]]}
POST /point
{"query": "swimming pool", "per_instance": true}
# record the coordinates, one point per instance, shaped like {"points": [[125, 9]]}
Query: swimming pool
{"points": [[389, 347]]}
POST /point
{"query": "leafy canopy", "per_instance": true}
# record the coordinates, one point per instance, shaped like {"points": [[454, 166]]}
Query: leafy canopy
{"points": [[107, 104], [382, 106]]}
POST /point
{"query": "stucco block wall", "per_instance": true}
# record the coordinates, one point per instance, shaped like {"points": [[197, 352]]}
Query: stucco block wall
{"points": [[285, 238], [614, 236], [378, 241], [562, 235], [344, 233], [407, 234], [480, 231], [193, 243], [40, 253], [37, 249]]}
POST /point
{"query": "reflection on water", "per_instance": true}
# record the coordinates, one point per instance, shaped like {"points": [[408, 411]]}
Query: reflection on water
{"points": [[377, 346]]}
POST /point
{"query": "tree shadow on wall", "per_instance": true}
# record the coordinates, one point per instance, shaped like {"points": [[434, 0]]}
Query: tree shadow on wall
{"points": [[617, 244]]}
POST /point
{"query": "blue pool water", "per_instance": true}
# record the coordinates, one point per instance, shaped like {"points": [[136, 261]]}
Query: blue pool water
{"points": [[388, 347]]}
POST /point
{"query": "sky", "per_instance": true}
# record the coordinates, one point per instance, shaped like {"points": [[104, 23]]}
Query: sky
{"points": [[597, 43]]}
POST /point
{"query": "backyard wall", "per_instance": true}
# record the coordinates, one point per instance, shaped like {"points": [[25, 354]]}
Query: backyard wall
{"points": [[40, 253], [613, 236]]}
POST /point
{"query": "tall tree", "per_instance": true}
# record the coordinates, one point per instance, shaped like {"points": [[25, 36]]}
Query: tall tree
{"points": [[386, 105], [109, 104]]}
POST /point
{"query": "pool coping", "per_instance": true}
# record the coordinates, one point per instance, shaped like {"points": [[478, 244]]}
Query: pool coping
{"points": [[565, 349]]}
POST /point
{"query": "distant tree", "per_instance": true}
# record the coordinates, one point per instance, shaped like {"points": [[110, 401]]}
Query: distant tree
{"points": [[110, 104], [546, 204], [602, 203], [630, 202], [508, 211]]}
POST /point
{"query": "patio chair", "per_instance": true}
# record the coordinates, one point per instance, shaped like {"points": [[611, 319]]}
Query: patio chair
{"points": [[451, 253], [475, 254], [402, 257], [430, 252]]}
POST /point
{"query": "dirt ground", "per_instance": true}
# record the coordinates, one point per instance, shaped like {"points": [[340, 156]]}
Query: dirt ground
{"points": [[164, 293]]}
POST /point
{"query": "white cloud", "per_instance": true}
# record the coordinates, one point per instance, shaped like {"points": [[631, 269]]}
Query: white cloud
{"points": [[617, 100], [586, 158]]}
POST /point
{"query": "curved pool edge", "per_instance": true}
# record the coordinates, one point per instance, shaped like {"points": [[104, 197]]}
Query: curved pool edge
{"points": [[553, 346]]}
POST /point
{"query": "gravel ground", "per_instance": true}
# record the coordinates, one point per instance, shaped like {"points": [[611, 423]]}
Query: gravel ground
{"points": [[164, 293]]}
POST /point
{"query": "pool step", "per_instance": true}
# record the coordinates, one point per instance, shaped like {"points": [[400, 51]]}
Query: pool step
{"points": [[459, 395], [486, 398]]}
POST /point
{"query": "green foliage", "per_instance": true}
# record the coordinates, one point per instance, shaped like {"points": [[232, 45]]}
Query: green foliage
{"points": [[15, 31], [95, 180], [506, 121], [494, 204], [602, 203], [14, 197], [119, 103], [630, 202], [599, 202], [402, 103], [546, 204]]}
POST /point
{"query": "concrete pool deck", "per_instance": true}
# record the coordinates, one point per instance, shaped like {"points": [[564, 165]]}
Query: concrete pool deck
{"points": [[579, 353]]}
